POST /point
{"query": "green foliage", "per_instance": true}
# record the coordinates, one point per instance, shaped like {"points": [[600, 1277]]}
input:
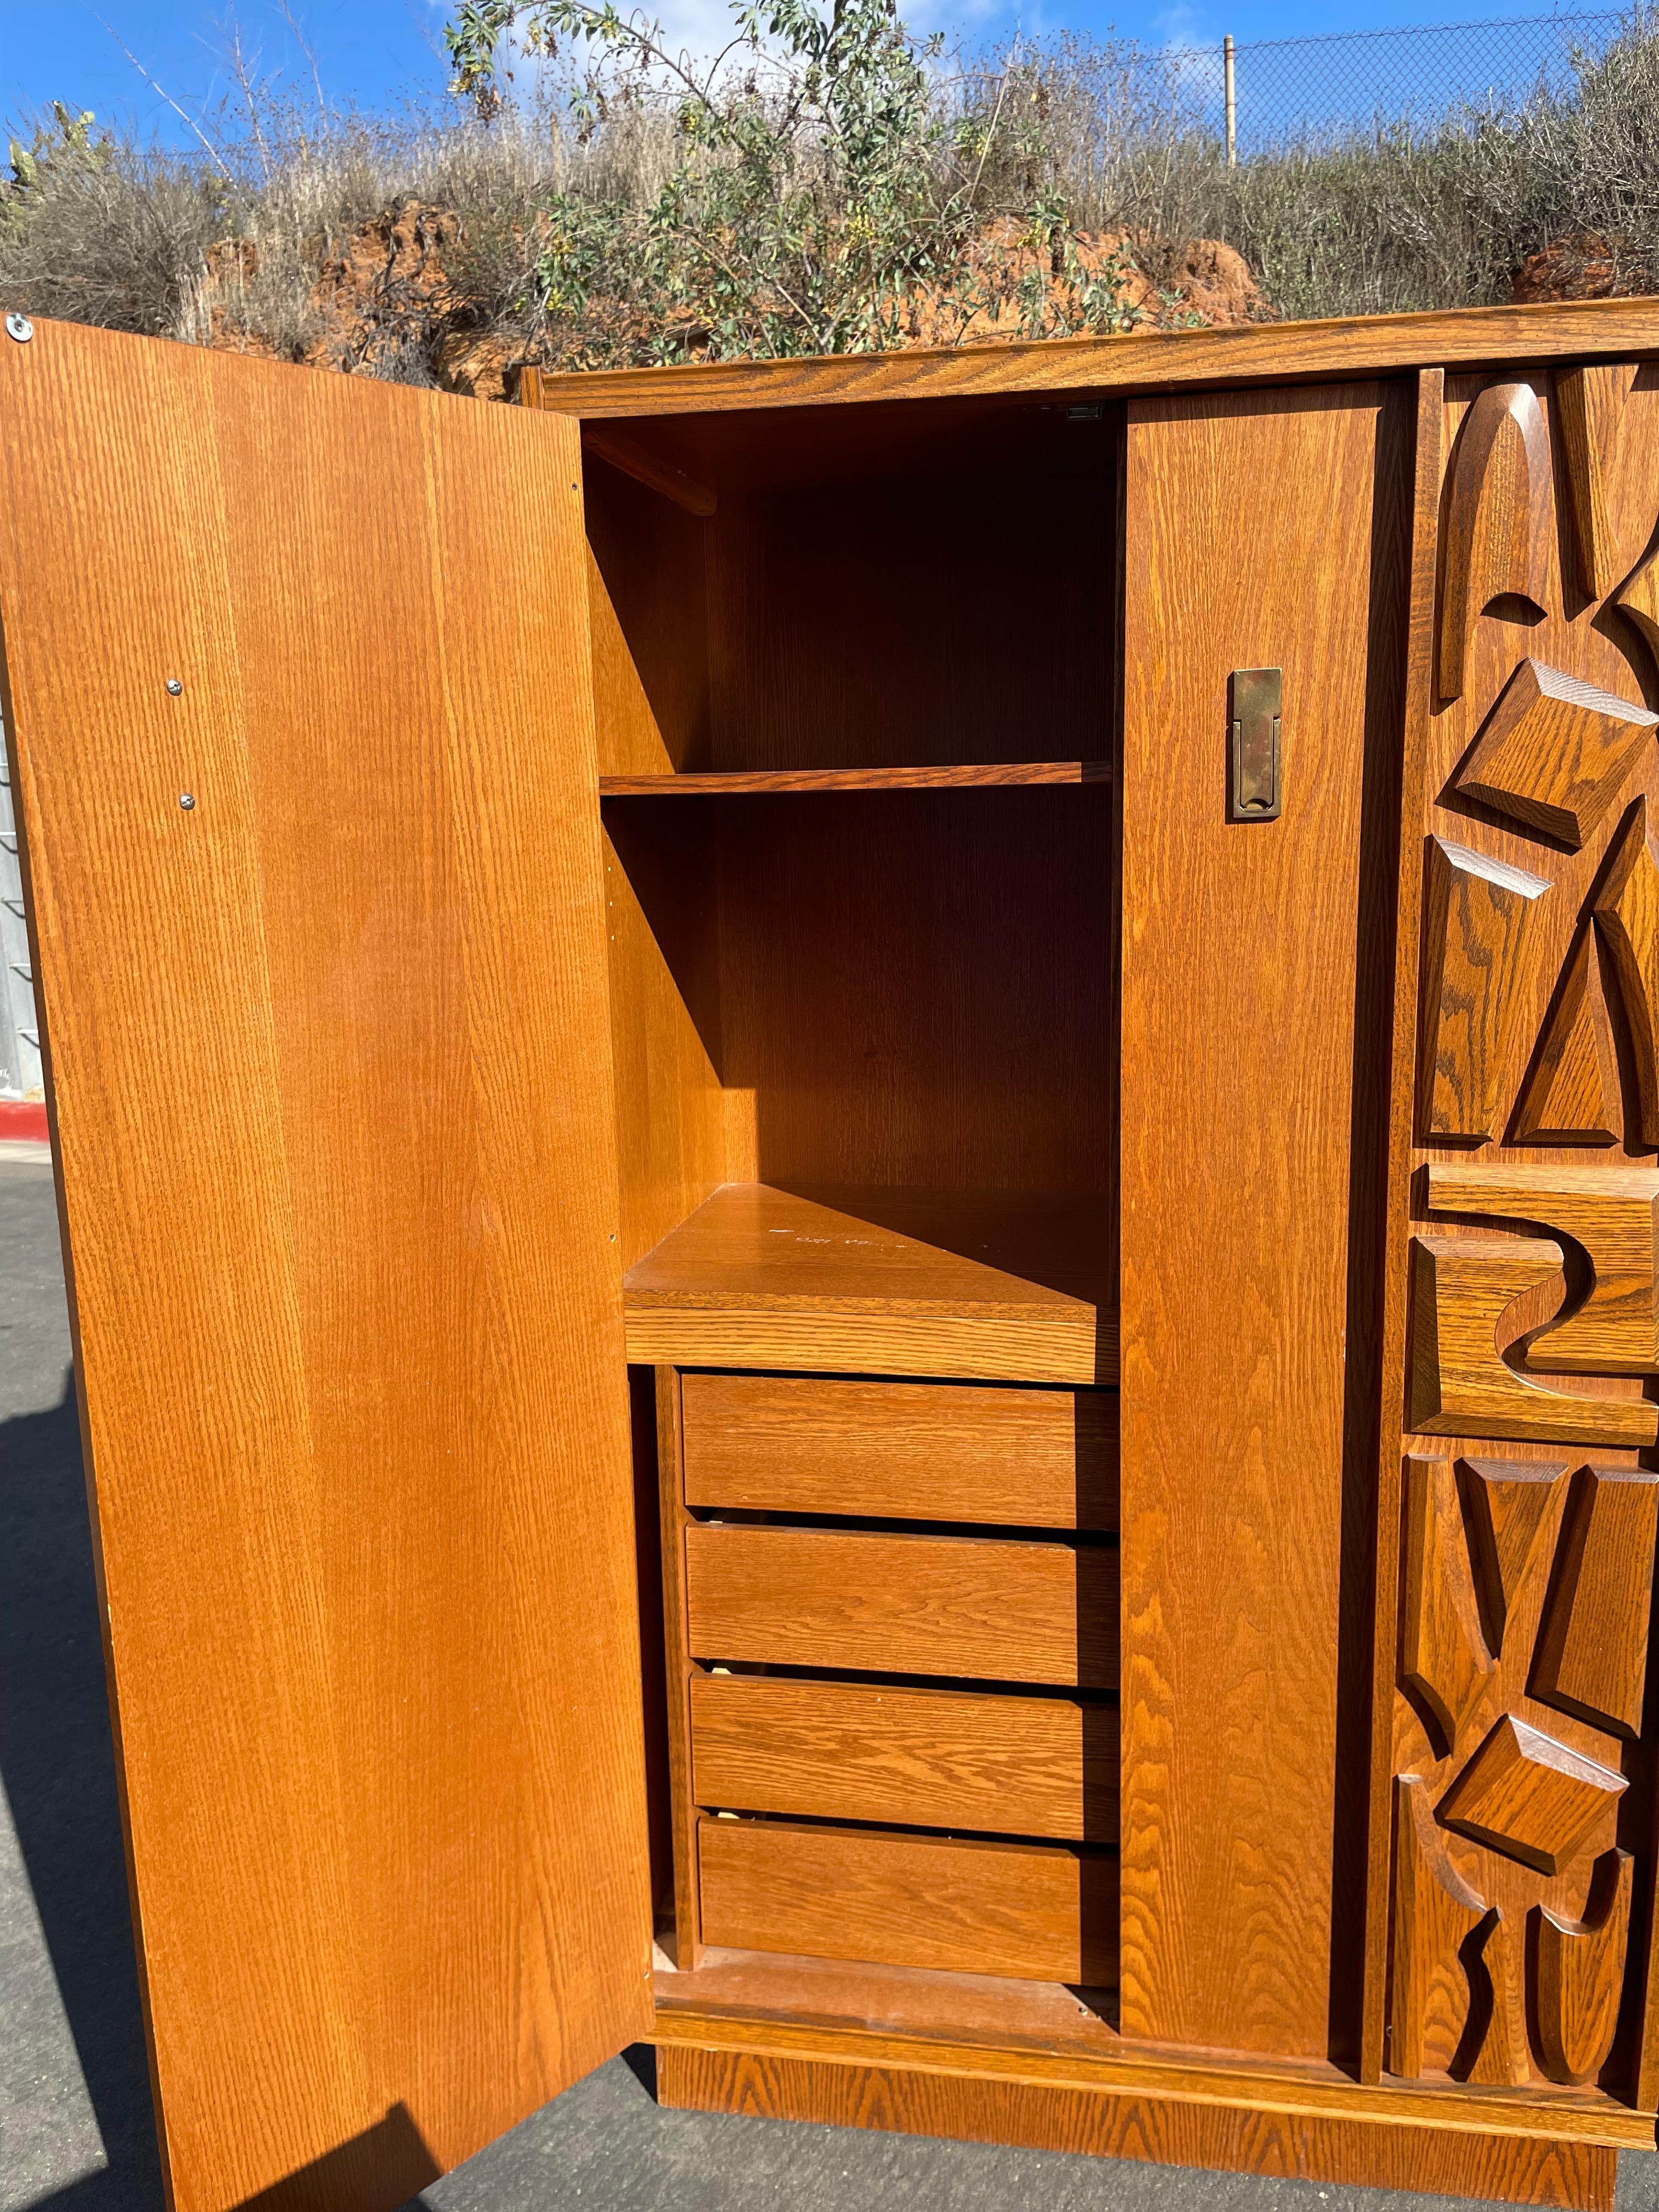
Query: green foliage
{"points": [[825, 189]]}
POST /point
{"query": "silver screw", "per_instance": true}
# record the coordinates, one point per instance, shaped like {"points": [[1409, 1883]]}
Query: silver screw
{"points": [[174, 687], [20, 328], [187, 799]]}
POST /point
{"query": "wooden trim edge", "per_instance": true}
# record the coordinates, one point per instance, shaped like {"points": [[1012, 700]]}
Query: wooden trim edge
{"points": [[1354, 346], [1177, 2080]]}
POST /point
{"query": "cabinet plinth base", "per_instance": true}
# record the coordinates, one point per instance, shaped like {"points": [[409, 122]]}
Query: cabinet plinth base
{"points": [[1511, 2169]]}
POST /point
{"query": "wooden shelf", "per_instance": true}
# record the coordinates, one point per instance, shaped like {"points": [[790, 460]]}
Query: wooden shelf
{"points": [[1005, 1286], [1000, 775]]}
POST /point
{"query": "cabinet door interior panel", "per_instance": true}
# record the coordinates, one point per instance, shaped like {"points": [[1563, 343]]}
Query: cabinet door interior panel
{"points": [[1044, 1767], [1242, 1042], [339, 1172], [1045, 1459], [952, 1905], [1003, 1611]]}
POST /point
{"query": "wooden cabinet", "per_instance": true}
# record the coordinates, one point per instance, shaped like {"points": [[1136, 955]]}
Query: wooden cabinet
{"points": [[858, 1164]]}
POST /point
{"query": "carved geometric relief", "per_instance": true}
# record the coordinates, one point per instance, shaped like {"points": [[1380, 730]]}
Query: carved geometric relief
{"points": [[1554, 752], [1461, 1386], [1571, 1096], [1591, 405], [1435, 1912], [1627, 915], [1639, 600], [1578, 1973], [1529, 1797], [1613, 1214], [1478, 949], [1444, 1658], [1497, 519], [1592, 1658], [1512, 1509], [1495, 2042]]}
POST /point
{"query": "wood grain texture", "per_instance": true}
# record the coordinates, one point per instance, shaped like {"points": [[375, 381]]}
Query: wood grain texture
{"points": [[1555, 751], [1360, 346], [1232, 1391], [1571, 1092], [339, 1176], [855, 1751], [1350, 2153], [680, 1671], [1526, 1795], [1627, 916], [1579, 1974], [1041, 2033], [927, 1451], [1461, 1287], [1613, 1214], [1495, 537], [738, 782], [1428, 425], [1480, 918], [1435, 1910], [886, 1281], [1637, 600], [1612, 513], [1592, 1656], [619, 451], [1511, 1510], [929, 1901], [1443, 1659], [799, 570], [973, 1606]]}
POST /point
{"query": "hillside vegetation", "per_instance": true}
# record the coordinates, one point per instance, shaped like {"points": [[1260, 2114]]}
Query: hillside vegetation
{"points": [[830, 183]]}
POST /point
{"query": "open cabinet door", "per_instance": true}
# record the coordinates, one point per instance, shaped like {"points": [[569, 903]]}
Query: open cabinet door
{"points": [[300, 698]]}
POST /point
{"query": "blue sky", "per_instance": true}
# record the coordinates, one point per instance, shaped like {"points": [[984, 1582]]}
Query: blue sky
{"points": [[377, 51]]}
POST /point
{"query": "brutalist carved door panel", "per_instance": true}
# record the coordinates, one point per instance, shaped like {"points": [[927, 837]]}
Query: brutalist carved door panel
{"points": [[1521, 1800]]}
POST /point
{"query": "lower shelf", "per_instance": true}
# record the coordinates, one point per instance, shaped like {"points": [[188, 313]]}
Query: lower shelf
{"points": [[993, 1285]]}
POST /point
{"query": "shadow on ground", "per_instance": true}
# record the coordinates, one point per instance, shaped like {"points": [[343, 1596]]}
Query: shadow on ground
{"points": [[58, 1768]]}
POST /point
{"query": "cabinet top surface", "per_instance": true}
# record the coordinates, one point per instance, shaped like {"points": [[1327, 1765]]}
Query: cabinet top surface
{"points": [[1260, 352]]}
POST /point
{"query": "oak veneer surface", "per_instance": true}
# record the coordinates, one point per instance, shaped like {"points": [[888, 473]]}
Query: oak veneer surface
{"points": [[1353, 346], [337, 1171], [900, 1281], [742, 783], [1293, 2147], [927, 1451], [937, 1902], [1056, 2035], [1004, 1611], [1039, 1766], [1239, 986]]}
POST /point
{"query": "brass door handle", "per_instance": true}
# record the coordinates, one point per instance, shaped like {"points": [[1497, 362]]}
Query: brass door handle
{"points": [[1254, 699]]}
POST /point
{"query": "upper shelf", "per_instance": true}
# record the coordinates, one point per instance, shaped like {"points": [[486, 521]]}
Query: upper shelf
{"points": [[1009, 1286], [999, 774]]}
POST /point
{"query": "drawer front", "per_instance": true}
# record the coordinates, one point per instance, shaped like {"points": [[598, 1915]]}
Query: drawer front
{"points": [[912, 1451], [1007, 1612], [956, 1906], [857, 1751]]}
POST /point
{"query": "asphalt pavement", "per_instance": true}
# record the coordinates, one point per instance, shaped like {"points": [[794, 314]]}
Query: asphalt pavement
{"points": [[75, 2128]]}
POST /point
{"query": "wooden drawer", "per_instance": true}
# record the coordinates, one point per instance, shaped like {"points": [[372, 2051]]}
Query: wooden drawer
{"points": [[1006, 1611], [930, 1758], [912, 1451], [958, 1906]]}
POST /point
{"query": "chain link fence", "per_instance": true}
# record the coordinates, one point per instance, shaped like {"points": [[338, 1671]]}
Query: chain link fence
{"points": [[1288, 91]]}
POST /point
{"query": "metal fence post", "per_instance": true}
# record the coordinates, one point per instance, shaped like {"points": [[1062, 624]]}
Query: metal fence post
{"points": [[1232, 113]]}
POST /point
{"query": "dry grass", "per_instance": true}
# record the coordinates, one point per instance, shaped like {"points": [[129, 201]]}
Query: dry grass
{"points": [[1092, 136]]}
